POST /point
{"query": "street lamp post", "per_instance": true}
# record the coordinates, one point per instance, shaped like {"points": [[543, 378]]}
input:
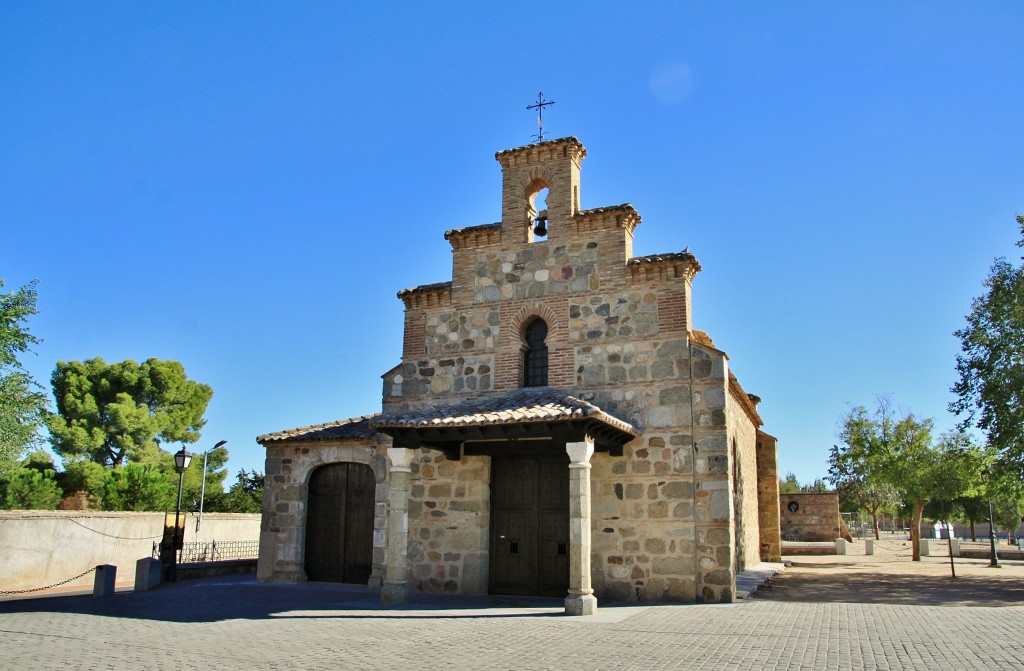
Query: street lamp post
{"points": [[202, 491], [994, 559], [181, 461]]}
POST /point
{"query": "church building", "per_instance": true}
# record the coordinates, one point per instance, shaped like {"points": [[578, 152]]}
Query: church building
{"points": [[556, 426]]}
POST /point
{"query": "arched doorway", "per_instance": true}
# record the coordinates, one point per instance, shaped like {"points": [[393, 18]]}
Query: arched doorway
{"points": [[339, 523]]}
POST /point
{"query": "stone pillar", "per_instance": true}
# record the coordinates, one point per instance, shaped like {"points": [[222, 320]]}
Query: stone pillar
{"points": [[106, 578], [869, 546], [395, 591], [581, 599], [768, 498]]}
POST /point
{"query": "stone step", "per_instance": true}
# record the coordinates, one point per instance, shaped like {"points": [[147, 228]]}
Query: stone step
{"points": [[754, 576]]}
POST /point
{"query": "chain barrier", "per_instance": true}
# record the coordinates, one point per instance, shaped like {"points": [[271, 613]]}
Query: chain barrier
{"points": [[56, 584]]}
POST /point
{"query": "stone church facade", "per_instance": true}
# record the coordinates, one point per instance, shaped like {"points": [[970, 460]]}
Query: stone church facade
{"points": [[556, 426]]}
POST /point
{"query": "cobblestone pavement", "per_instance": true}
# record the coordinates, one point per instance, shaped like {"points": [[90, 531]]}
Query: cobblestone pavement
{"points": [[236, 623]]}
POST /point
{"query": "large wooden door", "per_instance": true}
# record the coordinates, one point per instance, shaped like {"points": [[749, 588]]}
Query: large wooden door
{"points": [[529, 551], [339, 523]]}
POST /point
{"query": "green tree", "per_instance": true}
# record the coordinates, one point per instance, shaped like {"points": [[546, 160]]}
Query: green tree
{"points": [[113, 413], [216, 474], [859, 487], [885, 448], [974, 509], [1006, 491], [789, 485], [22, 402], [990, 366], [819, 486], [85, 476], [24, 488], [138, 487], [245, 495], [858, 469]]}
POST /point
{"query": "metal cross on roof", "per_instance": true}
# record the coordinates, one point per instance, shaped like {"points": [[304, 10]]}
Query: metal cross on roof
{"points": [[541, 104]]}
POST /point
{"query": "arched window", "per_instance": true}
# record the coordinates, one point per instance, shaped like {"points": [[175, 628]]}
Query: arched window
{"points": [[535, 356]]}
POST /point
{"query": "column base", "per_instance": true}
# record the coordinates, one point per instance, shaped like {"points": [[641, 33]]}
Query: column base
{"points": [[580, 604], [394, 595]]}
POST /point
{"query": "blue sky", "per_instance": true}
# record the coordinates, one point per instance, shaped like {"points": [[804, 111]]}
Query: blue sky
{"points": [[244, 187]]}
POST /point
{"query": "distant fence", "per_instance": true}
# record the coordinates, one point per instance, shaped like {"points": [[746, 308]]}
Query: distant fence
{"points": [[214, 551]]}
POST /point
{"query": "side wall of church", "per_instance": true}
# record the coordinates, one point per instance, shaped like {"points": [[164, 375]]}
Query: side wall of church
{"points": [[743, 436], [768, 497]]}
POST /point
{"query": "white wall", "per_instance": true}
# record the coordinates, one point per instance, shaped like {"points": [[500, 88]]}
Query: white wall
{"points": [[39, 548]]}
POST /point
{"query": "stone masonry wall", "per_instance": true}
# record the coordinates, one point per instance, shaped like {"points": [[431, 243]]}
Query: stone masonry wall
{"points": [[619, 336], [743, 435], [768, 498], [816, 517], [285, 498], [449, 523]]}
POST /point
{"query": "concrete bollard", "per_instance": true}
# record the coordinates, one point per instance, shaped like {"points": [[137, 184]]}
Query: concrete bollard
{"points": [[147, 574], [106, 575], [869, 546], [840, 546], [954, 547], [926, 550]]}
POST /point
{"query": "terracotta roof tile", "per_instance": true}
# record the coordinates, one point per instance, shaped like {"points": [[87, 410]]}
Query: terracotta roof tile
{"points": [[684, 255], [571, 139], [356, 428], [471, 229], [624, 207], [541, 404], [426, 287]]}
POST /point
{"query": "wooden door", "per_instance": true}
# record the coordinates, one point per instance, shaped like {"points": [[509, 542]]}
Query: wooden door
{"points": [[529, 551], [339, 523]]}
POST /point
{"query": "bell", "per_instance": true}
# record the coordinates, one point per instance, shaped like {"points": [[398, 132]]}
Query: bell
{"points": [[540, 226]]}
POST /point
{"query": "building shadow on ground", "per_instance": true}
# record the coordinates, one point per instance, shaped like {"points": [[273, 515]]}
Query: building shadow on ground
{"points": [[241, 597], [815, 584]]}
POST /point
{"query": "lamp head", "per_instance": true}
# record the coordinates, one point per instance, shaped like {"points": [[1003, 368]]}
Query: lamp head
{"points": [[182, 458]]}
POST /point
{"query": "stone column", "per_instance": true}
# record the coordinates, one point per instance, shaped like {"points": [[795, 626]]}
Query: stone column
{"points": [[581, 599], [395, 590]]}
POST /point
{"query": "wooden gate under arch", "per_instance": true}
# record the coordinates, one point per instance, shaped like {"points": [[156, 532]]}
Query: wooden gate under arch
{"points": [[339, 523]]}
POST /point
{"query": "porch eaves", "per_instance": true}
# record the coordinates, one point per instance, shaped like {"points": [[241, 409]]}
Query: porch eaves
{"points": [[355, 428], [532, 413]]}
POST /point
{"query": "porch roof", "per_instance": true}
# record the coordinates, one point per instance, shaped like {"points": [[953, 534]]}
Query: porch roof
{"points": [[355, 428], [525, 414]]}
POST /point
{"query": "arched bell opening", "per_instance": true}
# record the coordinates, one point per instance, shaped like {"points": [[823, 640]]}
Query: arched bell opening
{"points": [[537, 223]]}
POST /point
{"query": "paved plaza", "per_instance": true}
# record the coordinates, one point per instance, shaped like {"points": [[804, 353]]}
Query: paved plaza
{"points": [[236, 623]]}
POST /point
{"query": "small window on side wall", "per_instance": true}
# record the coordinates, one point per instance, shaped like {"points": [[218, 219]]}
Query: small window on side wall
{"points": [[535, 356]]}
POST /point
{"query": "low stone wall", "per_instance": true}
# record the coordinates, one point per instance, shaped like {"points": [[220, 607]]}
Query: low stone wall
{"points": [[40, 548], [211, 569], [809, 517], [808, 549]]}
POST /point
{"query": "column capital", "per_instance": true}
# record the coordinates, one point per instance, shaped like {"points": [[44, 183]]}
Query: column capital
{"points": [[580, 453], [400, 458]]}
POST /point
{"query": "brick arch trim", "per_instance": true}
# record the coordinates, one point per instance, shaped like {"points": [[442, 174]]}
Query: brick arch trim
{"points": [[533, 180], [517, 325], [304, 465]]}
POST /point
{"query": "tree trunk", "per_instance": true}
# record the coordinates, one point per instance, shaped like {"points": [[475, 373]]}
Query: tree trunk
{"points": [[874, 523], [915, 529], [974, 537]]}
